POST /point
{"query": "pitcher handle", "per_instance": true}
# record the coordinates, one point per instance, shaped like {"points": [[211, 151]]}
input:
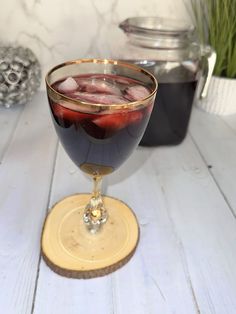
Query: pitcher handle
{"points": [[208, 64]]}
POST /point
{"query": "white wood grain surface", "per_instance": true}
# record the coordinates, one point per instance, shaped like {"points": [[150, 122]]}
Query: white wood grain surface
{"points": [[25, 176], [186, 260], [215, 138], [8, 122], [60, 295]]}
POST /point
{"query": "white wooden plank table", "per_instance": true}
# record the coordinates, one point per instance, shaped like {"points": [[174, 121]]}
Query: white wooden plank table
{"points": [[185, 200]]}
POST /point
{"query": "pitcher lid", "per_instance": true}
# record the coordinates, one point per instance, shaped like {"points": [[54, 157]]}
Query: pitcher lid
{"points": [[155, 25], [158, 32]]}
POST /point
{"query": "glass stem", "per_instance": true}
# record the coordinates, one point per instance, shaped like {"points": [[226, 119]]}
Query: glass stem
{"points": [[95, 214]]}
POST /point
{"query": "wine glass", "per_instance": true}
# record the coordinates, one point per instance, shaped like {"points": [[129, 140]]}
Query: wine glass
{"points": [[100, 109]]}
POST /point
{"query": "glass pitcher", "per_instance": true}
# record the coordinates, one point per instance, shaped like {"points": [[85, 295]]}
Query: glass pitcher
{"points": [[169, 49]]}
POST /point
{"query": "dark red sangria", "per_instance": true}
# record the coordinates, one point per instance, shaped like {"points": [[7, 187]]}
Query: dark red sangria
{"points": [[100, 109], [100, 138]]}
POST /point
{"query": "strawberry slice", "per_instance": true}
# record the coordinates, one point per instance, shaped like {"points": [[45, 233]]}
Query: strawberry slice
{"points": [[111, 121], [118, 121], [68, 114], [134, 117], [149, 109]]}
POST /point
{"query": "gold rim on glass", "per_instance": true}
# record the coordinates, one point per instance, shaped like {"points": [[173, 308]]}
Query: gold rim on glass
{"points": [[100, 107]]}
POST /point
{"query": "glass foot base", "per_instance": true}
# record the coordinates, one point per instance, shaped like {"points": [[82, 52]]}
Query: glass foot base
{"points": [[70, 250]]}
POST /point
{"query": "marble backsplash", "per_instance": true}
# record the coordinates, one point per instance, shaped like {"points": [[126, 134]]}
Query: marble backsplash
{"points": [[60, 30]]}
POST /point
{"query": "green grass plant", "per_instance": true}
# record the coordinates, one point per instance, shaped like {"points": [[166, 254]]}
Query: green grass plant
{"points": [[215, 22]]}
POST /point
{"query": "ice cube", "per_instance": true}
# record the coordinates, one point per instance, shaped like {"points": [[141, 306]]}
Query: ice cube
{"points": [[136, 92], [95, 85], [99, 98], [122, 80], [69, 85], [114, 78]]}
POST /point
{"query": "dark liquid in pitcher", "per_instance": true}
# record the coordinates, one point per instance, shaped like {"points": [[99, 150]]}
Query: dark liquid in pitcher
{"points": [[169, 120], [171, 113]]}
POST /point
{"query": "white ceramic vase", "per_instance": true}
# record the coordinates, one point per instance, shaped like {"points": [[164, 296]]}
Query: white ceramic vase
{"points": [[221, 97]]}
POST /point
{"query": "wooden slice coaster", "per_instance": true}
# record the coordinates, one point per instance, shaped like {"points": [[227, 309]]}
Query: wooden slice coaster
{"points": [[70, 250]]}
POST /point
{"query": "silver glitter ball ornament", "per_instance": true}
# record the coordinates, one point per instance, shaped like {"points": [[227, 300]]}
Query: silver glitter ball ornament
{"points": [[20, 75]]}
